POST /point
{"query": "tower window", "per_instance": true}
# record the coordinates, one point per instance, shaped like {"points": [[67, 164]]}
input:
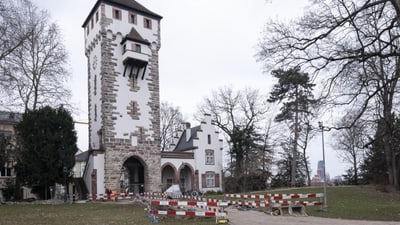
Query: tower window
{"points": [[95, 84], [132, 18], [147, 23], [97, 16], [95, 112], [87, 30], [91, 23], [209, 139], [137, 48], [117, 14]]}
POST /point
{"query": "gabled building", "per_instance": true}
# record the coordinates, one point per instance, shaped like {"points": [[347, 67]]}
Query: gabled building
{"points": [[195, 162]]}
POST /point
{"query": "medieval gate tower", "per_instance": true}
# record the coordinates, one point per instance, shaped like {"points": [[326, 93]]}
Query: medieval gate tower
{"points": [[122, 39]]}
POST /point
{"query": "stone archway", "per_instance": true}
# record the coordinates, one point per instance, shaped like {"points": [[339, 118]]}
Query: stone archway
{"points": [[169, 176], [186, 178], [133, 175]]}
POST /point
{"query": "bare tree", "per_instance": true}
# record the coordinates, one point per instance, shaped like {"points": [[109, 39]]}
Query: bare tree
{"points": [[352, 47], [13, 27], [171, 120], [350, 142], [35, 72], [237, 114]]}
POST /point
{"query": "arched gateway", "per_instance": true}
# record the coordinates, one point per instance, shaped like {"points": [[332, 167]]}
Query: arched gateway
{"points": [[122, 40]]}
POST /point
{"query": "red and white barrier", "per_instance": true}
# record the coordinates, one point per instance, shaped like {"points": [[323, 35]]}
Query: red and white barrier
{"points": [[187, 213], [190, 203]]}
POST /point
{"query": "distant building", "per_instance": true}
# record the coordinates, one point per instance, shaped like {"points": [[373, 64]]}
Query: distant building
{"points": [[320, 169], [8, 120]]}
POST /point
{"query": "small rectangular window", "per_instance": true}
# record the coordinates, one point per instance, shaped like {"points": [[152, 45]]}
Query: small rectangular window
{"points": [[91, 23], [87, 30], [209, 139], [137, 48], [132, 18], [210, 157], [117, 14], [97, 16], [147, 23]]}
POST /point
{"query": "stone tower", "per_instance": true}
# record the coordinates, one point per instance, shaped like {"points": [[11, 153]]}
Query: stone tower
{"points": [[122, 40]]}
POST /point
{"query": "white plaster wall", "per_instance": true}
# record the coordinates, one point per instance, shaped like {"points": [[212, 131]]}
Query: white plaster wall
{"points": [[87, 176], [92, 32], [99, 165], [95, 99], [124, 123]]}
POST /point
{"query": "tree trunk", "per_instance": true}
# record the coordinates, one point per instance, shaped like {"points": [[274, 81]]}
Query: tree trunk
{"points": [[296, 137]]}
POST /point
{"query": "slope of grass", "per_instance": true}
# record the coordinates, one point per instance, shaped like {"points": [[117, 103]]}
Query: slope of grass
{"points": [[355, 202]]}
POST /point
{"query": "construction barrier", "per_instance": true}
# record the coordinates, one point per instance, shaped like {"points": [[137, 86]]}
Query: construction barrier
{"points": [[205, 208], [278, 204]]}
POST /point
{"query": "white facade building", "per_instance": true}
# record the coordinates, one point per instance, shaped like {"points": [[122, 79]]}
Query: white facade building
{"points": [[196, 161]]}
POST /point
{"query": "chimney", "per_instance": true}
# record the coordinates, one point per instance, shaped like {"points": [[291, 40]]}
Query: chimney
{"points": [[188, 132]]}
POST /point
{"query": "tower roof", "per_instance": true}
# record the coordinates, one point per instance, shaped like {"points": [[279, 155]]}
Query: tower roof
{"points": [[131, 5]]}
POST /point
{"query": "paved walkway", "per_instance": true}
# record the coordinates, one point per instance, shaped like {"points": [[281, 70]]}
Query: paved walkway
{"points": [[251, 217]]}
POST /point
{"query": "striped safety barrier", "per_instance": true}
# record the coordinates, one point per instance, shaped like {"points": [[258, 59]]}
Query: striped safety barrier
{"points": [[187, 213], [282, 199], [189, 203]]}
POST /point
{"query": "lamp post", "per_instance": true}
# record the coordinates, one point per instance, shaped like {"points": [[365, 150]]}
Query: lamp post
{"points": [[321, 125]]}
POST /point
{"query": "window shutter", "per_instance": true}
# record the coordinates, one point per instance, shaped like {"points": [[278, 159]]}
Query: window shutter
{"points": [[216, 180], [203, 180]]}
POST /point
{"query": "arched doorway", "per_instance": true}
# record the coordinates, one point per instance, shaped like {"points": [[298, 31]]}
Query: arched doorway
{"points": [[132, 176], [186, 179], [168, 176]]}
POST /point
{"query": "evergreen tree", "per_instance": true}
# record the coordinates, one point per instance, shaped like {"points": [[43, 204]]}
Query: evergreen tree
{"points": [[46, 148], [294, 91]]}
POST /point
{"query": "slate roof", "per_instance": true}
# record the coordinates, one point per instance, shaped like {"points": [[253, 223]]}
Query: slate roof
{"points": [[130, 5], [82, 157], [184, 145], [135, 36]]}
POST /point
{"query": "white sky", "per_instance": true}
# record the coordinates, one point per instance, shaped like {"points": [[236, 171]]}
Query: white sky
{"points": [[205, 45]]}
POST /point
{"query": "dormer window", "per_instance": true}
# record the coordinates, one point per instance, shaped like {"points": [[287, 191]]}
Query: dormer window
{"points": [[147, 23], [132, 18], [117, 14]]}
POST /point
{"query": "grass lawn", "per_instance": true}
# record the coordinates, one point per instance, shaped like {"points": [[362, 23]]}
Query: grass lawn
{"points": [[87, 213], [350, 202], [355, 202]]}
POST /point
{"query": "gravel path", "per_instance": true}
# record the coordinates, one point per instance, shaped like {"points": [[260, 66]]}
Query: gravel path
{"points": [[251, 217]]}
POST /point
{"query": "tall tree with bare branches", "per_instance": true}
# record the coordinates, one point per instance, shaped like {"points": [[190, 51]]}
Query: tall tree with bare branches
{"points": [[352, 48], [171, 121], [35, 71], [237, 114]]}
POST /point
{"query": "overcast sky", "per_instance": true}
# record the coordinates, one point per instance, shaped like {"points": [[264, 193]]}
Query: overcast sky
{"points": [[205, 45]]}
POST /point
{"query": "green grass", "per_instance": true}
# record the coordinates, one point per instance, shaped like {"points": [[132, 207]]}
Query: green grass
{"points": [[355, 202], [350, 202], [89, 213]]}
